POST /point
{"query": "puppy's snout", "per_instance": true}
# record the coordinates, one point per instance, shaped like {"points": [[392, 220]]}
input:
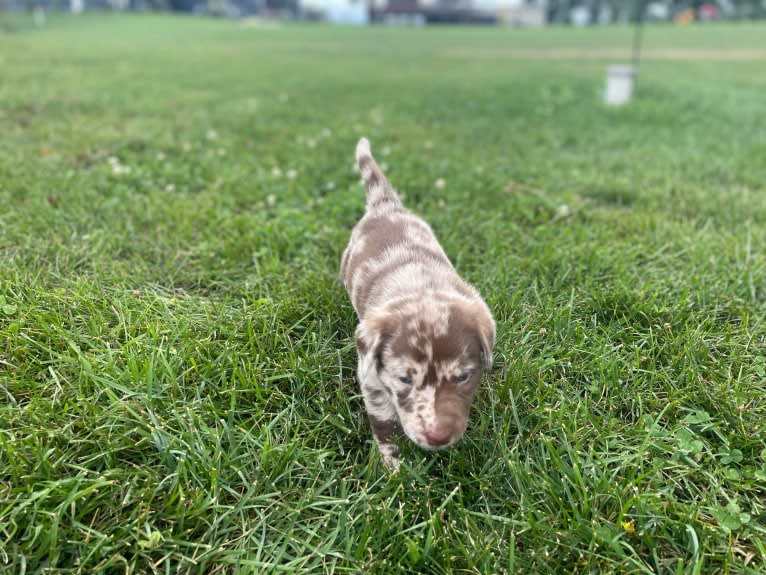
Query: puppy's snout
{"points": [[437, 437]]}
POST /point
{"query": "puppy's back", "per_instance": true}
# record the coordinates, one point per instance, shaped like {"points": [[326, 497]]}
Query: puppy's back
{"points": [[392, 253]]}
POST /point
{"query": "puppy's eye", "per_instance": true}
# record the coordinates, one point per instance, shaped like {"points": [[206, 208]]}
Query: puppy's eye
{"points": [[463, 377], [406, 379]]}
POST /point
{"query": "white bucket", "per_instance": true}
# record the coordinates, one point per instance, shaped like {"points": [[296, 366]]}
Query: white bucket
{"points": [[619, 84]]}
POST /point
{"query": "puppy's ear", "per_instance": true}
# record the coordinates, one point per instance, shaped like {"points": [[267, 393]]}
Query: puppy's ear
{"points": [[485, 326], [372, 335]]}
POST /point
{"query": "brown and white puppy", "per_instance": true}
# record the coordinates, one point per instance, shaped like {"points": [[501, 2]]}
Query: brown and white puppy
{"points": [[423, 333]]}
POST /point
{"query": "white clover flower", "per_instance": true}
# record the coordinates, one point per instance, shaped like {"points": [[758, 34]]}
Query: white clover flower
{"points": [[170, 188], [271, 200], [212, 135], [160, 156], [291, 174], [440, 184], [118, 169], [276, 172]]}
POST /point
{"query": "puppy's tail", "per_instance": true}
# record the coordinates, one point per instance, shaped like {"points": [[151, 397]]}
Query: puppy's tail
{"points": [[380, 194]]}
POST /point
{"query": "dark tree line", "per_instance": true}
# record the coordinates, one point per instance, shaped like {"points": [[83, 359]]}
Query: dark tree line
{"points": [[558, 11]]}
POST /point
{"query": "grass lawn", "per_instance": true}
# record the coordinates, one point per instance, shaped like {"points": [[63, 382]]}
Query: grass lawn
{"points": [[177, 389]]}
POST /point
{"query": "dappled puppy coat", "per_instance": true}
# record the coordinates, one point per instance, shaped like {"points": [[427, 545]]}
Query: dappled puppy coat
{"points": [[423, 332]]}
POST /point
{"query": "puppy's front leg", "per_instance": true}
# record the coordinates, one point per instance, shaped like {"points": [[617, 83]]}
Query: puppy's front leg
{"points": [[385, 431], [382, 415]]}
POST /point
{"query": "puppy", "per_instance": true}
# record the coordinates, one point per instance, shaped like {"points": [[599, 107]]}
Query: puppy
{"points": [[423, 332]]}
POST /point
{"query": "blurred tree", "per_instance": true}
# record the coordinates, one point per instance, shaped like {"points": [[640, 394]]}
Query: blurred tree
{"points": [[290, 6], [6, 23]]}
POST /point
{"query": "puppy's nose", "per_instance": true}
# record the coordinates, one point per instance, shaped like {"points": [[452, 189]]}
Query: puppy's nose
{"points": [[437, 436]]}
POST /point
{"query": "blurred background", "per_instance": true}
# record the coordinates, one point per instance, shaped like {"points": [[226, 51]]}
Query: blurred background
{"points": [[532, 13]]}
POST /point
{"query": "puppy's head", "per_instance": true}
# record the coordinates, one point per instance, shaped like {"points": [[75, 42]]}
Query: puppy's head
{"points": [[429, 356]]}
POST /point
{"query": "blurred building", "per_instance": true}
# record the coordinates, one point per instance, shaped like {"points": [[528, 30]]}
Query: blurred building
{"points": [[350, 12]]}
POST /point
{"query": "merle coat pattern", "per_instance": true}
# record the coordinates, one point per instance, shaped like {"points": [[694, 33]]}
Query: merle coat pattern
{"points": [[423, 334]]}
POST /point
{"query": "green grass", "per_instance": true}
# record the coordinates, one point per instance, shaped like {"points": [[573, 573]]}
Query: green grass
{"points": [[177, 390]]}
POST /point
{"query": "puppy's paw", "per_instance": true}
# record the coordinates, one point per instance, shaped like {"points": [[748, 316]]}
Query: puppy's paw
{"points": [[391, 463], [389, 452]]}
